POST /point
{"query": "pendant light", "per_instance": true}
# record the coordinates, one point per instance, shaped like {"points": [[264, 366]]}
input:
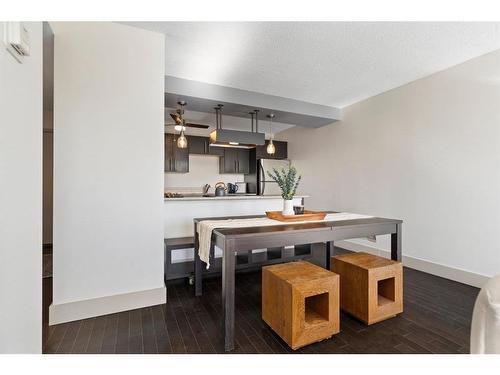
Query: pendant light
{"points": [[270, 146], [182, 140]]}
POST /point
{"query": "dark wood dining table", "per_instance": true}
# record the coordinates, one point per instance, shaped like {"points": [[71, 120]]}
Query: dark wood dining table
{"points": [[233, 241]]}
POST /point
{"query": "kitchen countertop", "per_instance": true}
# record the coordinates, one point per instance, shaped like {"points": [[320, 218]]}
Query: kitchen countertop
{"points": [[230, 197]]}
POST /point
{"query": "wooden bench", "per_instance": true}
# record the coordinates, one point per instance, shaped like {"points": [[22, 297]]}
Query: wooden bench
{"points": [[371, 287], [300, 302], [175, 244], [244, 261]]}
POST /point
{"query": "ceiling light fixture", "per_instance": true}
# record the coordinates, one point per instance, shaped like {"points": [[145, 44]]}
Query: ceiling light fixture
{"points": [[182, 140], [270, 146], [235, 138]]}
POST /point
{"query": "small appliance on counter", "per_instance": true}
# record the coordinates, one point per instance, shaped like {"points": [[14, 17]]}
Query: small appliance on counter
{"points": [[241, 187], [220, 189]]}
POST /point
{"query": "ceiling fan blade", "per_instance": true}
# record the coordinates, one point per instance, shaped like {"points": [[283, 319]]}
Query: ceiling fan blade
{"points": [[176, 118], [199, 126]]}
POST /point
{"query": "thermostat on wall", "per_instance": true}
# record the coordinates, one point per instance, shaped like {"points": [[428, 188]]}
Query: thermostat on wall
{"points": [[17, 40]]}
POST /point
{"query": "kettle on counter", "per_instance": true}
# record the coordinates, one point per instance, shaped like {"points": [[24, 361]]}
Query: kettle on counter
{"points": [[220, 189]]}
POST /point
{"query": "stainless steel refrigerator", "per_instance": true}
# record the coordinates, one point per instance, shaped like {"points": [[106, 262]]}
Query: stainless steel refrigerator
{"points": [[267, 186]]}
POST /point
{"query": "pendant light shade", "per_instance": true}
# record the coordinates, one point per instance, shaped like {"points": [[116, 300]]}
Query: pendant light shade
{"points": [[182, 140], [270, 149]]}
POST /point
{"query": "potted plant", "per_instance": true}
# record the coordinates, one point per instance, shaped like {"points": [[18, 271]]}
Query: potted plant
{"points": [[288, 181]]}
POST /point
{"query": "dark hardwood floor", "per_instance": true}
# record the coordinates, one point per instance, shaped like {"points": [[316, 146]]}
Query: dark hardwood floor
{"points": [[436, 320]]}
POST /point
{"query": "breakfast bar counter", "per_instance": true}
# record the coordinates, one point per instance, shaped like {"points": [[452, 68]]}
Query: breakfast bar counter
{"points": [[230, 197]]}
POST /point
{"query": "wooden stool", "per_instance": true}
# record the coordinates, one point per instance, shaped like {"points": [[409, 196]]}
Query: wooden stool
{"points": [[371, 287], [300, 302]]}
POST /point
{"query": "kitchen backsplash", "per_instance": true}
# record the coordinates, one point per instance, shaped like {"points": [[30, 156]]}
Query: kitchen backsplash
{"points": [[203, 170]]}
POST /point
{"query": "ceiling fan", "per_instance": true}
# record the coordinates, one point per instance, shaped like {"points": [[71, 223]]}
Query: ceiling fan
{"points": [[179, 121]]}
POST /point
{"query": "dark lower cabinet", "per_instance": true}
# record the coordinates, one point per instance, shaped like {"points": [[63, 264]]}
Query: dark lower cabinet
{"points": [[176, 159], [235, 160], [280, 153]]}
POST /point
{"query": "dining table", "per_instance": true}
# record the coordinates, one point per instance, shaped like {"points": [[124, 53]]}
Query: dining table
{"points": [[233, 241]]}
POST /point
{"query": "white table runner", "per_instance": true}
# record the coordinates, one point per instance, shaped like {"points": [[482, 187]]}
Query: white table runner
{"points": [[206, 227]]}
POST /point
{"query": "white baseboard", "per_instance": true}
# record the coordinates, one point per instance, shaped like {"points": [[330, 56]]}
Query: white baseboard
{"points": [[455, 274], [68, 312]]}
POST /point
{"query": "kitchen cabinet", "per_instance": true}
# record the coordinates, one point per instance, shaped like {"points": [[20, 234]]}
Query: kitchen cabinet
{"points": [[176, 159], [214, 150], [231, 160], [228, 162], [280, 153], [197, 145], [201, 146], [235, 160], [243, 161]]}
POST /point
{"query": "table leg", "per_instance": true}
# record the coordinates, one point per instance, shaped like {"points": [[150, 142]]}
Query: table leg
{"points": [[396, 242], [198, 267], [328, 253], [228, 283]]}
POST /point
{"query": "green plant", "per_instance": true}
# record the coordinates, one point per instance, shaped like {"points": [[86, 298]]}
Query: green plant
{"points": [[287, 181]]}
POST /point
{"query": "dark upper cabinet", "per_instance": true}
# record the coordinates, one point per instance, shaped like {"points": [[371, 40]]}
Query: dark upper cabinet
{"points": [[234, 160], [243, 161], [280, 153], [198, 145], [214, 150], [168, 153], [201, 146], [176, 159], [228, 162], [181, 160]]}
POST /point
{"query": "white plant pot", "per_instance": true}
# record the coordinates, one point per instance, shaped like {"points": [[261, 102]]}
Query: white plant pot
{"points": [[288, 207]]}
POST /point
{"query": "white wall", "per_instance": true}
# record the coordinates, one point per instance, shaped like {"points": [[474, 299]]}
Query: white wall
{"points": [[203, 169], [426, 152], [108, 169], [21, 198]]}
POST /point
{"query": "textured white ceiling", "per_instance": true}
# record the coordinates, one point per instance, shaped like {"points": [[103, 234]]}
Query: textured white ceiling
{"points": [[330, 63]]}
